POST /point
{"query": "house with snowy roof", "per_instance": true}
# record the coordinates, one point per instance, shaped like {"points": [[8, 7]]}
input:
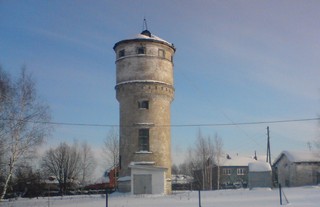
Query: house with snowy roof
{"points": [[294, 168], [234, 173]]}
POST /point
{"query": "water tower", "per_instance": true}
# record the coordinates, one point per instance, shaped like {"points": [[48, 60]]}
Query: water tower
{"points": [[144, 90]]}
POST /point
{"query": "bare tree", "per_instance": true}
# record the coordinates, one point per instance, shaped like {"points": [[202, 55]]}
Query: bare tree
{"points": [[203, 156], [218, 156], [111, 147], [5, 90], [23, 122], [317, 144], [88, 162], [28, 181], [63, 162], [184, 168], [175, 169], [201, 160], [111, 150]]}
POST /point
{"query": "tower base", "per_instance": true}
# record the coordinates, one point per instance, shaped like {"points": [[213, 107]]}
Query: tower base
{"points": [[145, 179]]}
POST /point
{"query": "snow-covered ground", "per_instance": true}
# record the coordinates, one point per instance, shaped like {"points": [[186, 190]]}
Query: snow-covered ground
{"points": [[302, 196]]}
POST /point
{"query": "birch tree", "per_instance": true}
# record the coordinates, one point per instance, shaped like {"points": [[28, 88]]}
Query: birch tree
{"points": [[23, 122], [5, 90]]}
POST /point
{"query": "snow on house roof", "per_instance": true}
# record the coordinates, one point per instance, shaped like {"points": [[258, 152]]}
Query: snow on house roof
{"points": [[299, 156], [102, 179], [259, 166], [237, 161]]}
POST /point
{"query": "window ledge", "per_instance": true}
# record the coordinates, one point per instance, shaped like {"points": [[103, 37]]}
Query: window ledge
{"points": [[144, 152], [144, 124], [143, 163]]}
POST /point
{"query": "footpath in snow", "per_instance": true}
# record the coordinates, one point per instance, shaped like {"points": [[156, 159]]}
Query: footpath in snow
{"points": [[302, 197]]}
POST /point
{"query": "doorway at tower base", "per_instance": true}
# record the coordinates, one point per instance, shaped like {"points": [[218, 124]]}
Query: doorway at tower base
{"points": [[145, 179]]}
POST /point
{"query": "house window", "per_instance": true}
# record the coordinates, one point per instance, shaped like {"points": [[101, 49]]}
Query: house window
{"points": [[141, 50], [161, 53], [121, 53], [241, 171], [226, 171], [143, 104], [143, 139]]}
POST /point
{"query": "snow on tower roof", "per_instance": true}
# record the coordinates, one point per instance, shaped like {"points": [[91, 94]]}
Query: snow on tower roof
{"points": [[146, 35]]}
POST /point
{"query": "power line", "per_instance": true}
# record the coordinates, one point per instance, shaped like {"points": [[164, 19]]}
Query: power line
{"points": [[228, 118], [250, 123], [176, 125]]}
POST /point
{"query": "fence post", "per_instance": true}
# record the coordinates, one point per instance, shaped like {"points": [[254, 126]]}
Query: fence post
{"points": [[280, 194], [199, 198], [107, 197]]}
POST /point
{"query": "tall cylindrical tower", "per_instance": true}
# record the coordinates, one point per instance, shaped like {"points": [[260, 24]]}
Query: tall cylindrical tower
{"points": [[144, 90]]}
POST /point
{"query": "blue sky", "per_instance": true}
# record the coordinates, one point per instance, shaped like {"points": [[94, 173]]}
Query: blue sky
{"points": [[236, 61]]}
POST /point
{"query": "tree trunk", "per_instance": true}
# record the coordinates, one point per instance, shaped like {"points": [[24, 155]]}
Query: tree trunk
{"points": [[218, 177], [5, 187]]}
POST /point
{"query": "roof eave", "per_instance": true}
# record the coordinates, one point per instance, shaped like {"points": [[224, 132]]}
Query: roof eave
{"points": [[143, 40]]}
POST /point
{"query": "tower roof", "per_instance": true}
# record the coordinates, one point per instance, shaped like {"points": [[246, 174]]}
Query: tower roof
{"points": [[145, 35]]}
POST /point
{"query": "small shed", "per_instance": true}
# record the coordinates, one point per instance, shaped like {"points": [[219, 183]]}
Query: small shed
{"points": [[297, 168], [148, 179], [260, 175]]}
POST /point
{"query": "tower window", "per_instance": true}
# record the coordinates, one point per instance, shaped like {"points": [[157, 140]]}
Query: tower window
{"points": [[141, 50], [121, 53], [161, 53], [143, 104], [143, 139]]}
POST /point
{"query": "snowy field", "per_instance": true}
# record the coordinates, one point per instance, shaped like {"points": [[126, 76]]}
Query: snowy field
{"points": [[303, 196]]}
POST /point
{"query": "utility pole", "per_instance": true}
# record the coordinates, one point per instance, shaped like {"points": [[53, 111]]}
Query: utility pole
{"points": [[268, 147]]}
